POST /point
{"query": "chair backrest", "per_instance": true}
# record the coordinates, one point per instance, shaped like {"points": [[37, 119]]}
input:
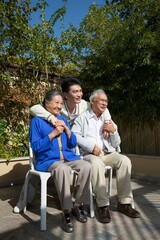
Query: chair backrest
{"points": [[32, 159]]}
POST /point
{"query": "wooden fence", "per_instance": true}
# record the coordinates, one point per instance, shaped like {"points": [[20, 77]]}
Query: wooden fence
{"points": [[140, 141]]}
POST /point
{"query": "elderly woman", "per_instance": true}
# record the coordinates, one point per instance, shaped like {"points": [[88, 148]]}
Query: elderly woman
{"points": [[52, 146]]}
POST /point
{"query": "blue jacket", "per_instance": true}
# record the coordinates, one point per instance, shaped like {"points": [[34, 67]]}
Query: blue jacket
{"points": [[46, 151]]}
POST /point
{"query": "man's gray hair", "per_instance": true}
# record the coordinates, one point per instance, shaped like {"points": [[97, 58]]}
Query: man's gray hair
{"points": [[94, 94]]}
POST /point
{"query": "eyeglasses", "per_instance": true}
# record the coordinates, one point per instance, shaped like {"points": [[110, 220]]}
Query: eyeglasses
{"points": [[102, 100]]}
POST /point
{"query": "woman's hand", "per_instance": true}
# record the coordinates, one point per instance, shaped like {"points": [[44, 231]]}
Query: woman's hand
{"points": [[56, 132], [62, 123]]}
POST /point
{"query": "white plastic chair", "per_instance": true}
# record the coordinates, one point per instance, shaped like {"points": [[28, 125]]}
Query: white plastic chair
{"points": [[44, 176]]}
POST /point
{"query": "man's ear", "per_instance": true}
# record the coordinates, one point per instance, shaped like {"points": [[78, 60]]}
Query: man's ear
{"points": [[65, 95]]}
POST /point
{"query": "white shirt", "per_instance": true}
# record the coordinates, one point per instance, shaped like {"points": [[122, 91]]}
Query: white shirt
{"points": [[95, 129]]}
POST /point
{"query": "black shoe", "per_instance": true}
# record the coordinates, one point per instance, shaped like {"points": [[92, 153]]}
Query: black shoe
{"points": [[67, 224], [79, 214], [128, 210], [103, 214]]}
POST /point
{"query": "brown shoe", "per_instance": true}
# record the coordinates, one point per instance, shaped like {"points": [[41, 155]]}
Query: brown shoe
{"points": [[128, 210], [103, 214]]}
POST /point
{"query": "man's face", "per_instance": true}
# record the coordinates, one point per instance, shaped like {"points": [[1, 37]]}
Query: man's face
{"points": [[74, 95], [100, 104], [55, 106]]}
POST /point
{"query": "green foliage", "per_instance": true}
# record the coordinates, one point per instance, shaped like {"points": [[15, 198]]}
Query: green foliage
{"points": [[21, 89], [3, 125], [120, 52], [13, 143], [14, 124], [16, 96], [35, 47]]}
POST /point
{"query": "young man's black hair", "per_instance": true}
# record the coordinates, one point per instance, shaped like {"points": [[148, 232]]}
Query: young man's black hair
{"points": [[68, 82]]}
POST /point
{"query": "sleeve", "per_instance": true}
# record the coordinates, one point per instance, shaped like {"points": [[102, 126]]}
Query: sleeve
{"points": [[38, 143], [107, 115], [40, 111], [84, 106], [88, 105], [115, 139]]}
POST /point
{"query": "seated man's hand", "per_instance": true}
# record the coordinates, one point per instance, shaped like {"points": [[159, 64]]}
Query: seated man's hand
{"points": [[96, 151]]}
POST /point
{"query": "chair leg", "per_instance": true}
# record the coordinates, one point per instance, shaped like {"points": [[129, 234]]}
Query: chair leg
{"points": [[43, 202], [110, 182], [132, 203], [92, 213], [26, 191], [74, 173]]}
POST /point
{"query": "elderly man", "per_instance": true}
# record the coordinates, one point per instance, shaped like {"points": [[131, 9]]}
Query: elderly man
{"points": [[100, 151]]}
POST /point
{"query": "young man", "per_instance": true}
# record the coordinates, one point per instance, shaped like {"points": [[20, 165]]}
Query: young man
{"points": [[52, 146], [102, 151]]}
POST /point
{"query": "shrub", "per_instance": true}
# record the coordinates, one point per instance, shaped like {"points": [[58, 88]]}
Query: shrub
{"points": [[13, 143]]}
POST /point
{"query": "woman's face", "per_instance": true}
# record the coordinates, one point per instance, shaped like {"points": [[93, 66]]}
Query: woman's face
{"points": [[74, 95], [54, 106]]}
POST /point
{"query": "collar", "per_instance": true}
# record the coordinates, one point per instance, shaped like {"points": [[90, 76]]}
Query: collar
{"points": [[67, 110], [93, 115]]}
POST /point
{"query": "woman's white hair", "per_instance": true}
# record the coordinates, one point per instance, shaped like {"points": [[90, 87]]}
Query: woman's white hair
{"points": [[94, 94]]}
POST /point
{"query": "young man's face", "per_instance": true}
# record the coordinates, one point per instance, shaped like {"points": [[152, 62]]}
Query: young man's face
{"points": [[100, 104], [74, 95], [54, 106]]}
